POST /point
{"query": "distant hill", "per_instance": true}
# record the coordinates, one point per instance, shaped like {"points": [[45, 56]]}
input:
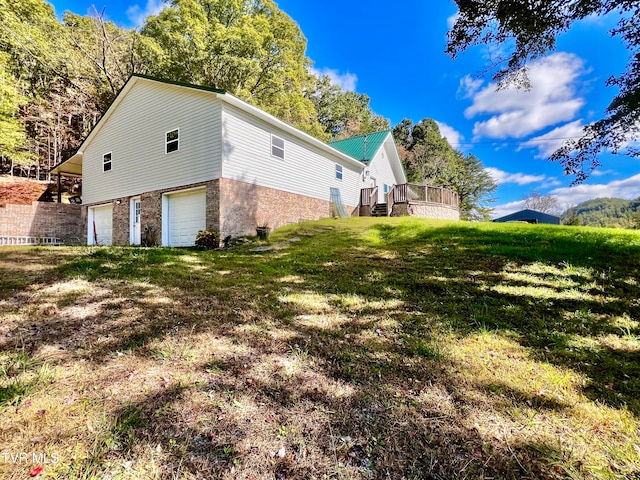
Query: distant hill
{"points": [[606, 212]]}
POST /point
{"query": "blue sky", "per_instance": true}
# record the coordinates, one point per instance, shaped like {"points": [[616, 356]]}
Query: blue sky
{"points": [[394, 53]]}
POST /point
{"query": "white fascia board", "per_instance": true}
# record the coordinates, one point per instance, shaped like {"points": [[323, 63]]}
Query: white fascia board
{"points": [[268, 118], [71, 167]]}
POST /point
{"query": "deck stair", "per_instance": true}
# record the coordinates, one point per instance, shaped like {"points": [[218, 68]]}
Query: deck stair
{"points": [[379, 210]]}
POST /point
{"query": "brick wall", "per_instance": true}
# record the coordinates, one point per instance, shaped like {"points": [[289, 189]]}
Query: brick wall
{"points": [[120, 221], [43, 219], [213, 206], [244, 205]]}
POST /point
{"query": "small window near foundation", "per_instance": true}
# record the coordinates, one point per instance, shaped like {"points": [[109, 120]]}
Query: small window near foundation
{"points": [[173, 141], [338, 171], [106, 162], [277, 147]]}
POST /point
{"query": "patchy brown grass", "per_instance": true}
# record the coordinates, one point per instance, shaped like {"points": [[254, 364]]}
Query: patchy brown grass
{"points": [[374, 349]]}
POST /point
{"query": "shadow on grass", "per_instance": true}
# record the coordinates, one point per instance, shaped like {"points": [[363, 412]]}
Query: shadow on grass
{"points": [[400, 410], [550, 326]]}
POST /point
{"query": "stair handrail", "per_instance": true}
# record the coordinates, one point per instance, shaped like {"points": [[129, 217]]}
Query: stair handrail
{"points": [[390, 198], [373, 199]]}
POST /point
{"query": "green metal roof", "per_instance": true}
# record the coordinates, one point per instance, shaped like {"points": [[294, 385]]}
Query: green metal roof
{"points": [[355, 147]]}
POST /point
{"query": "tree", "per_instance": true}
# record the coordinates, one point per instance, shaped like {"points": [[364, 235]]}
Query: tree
{"points": [[528, 30], [429, 159], [31, 38], [541, 203], [636, 220], [475, 188], [13, 138], [572, 220], [343, 114], [249, 48], [109, 55]]}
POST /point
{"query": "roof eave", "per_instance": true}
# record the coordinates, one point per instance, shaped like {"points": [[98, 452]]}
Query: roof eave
{"points": [[71, 167]]}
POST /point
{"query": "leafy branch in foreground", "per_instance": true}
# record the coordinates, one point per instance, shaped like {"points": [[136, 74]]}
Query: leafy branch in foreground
{"points": [[529, 30]]}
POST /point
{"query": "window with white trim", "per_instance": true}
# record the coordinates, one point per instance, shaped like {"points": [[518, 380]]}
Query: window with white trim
{"points": [[386, 188], [338, 171], [106, 162], [172, 141], [277, 147]]}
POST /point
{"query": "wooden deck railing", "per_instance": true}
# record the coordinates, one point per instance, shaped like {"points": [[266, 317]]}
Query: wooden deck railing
{"points": [[369, 197], [407, 193], [390, 196]]}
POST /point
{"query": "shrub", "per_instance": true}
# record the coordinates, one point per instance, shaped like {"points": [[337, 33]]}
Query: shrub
{"points": [[149, 237], [207, 240]]}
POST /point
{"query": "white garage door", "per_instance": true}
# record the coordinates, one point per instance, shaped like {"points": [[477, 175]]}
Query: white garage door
{"points": [[187, 215], [100, 225]]}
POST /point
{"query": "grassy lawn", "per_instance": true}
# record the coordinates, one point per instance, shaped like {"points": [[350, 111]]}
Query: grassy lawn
{"points": [[368, 349]]}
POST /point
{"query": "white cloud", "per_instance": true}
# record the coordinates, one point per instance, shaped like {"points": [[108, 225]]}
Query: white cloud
{"points": [[507, 208], [138, 15], [452, 19], [550, 182], [551, 141], [452, 135], [599, 173], [468, 86], [517, 112], [629, 188], [500, 177], [346, 81]]}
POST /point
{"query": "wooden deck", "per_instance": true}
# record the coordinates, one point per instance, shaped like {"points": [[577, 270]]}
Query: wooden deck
{"points": [[408, 194]]}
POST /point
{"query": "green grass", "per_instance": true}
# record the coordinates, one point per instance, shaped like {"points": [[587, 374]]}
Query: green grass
{"points": [[372, 348]]}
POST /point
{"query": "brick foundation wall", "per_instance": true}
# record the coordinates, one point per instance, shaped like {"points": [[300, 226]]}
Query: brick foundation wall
{"points": [[233, 208], [151, 217], [426, 210], [151, 213], [213, 206], [244, 205], [43, 219]]}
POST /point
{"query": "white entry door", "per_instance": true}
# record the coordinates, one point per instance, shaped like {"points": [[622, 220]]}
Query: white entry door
{"points": [[135, 221]]}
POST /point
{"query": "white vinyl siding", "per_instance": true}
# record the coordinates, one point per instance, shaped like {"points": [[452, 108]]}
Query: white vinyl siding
{"points": [[308, 170], [136, 135]]}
